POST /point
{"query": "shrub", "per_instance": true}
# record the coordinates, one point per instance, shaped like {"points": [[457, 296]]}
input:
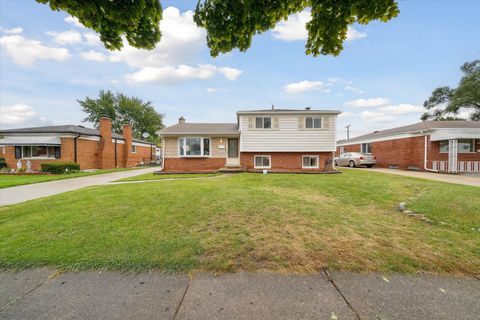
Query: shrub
{"points": [[3, 164], [60, 167]]}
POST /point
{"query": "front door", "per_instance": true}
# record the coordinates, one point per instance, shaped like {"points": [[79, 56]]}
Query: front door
{"points": [[233, 158]]}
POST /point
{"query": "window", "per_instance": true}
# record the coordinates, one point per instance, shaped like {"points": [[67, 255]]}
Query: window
{"points": [[194, 147], [262, 162], [366, 148], [38, 152], [342, 150], [464, 146], [313, 122], [134, 148], [263, 122], [309, 162]]}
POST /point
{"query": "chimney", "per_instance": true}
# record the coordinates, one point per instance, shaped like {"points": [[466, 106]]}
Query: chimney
{"points": [[105, 128], [273, 107], [307, 108], [181, 120], [127, 136]]}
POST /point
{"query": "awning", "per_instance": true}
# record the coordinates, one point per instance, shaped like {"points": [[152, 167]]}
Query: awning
{"points": [[447, 134], [31, 141]]}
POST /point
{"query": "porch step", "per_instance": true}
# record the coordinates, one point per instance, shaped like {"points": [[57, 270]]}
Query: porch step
{"points": [[231, 169]]}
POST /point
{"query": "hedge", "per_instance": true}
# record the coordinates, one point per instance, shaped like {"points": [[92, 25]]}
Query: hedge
{"points": [[60, 167]]}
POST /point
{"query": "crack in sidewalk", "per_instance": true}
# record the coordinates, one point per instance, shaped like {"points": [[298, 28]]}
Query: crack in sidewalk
{"points": [[183, 297], [357, 316]]}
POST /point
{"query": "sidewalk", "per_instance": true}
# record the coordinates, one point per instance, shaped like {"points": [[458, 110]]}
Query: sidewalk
{"points": [[27, 192], [48, 294]]}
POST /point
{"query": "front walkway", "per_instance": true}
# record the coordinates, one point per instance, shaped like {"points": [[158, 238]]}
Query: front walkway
{"points": [[27, 192], [468, 180], [49, 294]]}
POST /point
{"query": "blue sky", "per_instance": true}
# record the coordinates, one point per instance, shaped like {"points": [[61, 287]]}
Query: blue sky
{"points": [[380, 80]]}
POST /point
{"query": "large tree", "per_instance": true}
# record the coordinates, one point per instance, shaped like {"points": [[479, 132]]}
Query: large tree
{"points": [[445, 103], [230, 24], [122, 109]]}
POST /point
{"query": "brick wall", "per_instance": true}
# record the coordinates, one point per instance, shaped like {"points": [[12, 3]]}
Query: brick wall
{"points": [[203, 164], [409, 152], [285, 161]]}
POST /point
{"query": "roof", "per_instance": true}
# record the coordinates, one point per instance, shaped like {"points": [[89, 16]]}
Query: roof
{"points": [[200, 128], [416, 127], [70, 128], [289, 111]]}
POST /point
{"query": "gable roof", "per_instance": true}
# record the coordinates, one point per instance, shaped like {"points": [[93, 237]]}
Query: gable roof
{"points": [[416, 127], [200, 128], [70, 128], [289, 111]]}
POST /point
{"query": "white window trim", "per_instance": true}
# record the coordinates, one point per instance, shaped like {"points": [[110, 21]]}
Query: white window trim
{"points": [[313, 123], [311, 156], [361, 147], [445, 152], [37, 158], [201, 147], [263, 122], [134, 148], [262, 167]]}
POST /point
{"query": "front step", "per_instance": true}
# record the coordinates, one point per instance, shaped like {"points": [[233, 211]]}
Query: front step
{"points": [[231, 169]]}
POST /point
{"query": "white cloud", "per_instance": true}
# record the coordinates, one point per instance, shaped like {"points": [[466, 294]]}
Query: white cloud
{"points": [[294, 29], [25, 51], [93, 56], [372, 116], [17, 30], [354, 89], [213, 90], [73, 21], [92, 39], [66, 37], [403, 108], [19, 115], [346, 114], [368, 103], [172, 74], [302, 86]]}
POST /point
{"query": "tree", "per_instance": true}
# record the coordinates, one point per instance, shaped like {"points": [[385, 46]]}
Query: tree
{"points": [[230, 24], [122, 109], [445, 103]]}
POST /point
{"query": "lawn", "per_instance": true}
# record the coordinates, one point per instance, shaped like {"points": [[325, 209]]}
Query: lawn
{"points": [[152, 176], [252, 222], [18, 180]]}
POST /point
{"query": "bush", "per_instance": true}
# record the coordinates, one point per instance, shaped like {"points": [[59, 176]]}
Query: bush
{"points": [[60, 167], [2, 163]]}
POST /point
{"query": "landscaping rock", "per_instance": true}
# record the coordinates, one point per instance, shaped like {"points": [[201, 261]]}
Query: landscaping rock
{"points": [[402, 206]]}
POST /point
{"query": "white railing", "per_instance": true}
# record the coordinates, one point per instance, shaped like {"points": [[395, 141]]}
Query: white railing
{"points": [[462, 166]]}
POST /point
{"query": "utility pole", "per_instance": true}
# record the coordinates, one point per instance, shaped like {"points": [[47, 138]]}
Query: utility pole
{"points": [[348, 131]]}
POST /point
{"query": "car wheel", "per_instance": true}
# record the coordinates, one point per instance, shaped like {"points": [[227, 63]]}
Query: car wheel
{"points": [[369, 165], [351, 164]]}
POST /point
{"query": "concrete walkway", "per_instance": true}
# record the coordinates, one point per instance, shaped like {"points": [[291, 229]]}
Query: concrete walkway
{"points": [[468, 180], [48, 294], [27, 192]]}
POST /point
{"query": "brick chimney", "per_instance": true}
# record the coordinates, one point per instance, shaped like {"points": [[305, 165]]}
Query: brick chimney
{"points": [[127, 136], [106, 148], [181, 120]]}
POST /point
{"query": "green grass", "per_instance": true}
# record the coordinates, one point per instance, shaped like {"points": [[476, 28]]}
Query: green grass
{"points": [[152, 176], [18, 180], [252, 222]]}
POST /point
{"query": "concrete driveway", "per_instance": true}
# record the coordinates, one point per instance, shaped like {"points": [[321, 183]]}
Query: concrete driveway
{"points": [[49, 294], [27, 192], [468, 180]]}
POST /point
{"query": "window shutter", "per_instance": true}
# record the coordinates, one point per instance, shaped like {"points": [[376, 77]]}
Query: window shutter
{"points": [[18, 152], [300, 122], [325, 122], [58, 153], [275, 123], [250, 122]]}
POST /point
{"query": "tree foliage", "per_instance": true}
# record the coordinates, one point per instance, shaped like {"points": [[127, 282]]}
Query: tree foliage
{"points": [[445, 103], [122, 109], [137, 20], [230, 24]]}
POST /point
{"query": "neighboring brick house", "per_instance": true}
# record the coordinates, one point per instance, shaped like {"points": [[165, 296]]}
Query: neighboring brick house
{"points": [[91, 148], [277, 140], [444, 146]]}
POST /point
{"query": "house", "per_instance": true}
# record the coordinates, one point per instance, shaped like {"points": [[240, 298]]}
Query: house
{"points": [[278, 140], [91, 148], [440, 146]]}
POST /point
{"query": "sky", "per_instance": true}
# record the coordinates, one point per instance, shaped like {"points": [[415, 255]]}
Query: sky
{"points": [[48, 62]]}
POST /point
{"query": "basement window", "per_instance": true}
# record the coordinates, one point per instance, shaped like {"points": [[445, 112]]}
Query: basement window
{"points": [[310, 162], [262, 162]]}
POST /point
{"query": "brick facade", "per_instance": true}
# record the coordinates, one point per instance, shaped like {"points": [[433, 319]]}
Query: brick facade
{"points": [[408, 153], [201, 164], [91, 152], [286, 161]]}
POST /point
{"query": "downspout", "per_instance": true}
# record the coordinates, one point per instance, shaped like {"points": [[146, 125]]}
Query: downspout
{"points": [[425, 156], [163, 155], [75, 148], [115, 153]]}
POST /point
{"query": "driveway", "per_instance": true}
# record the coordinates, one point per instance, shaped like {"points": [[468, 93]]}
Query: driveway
{"points": [[19, 194], [468, 180], [49, 294]]}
